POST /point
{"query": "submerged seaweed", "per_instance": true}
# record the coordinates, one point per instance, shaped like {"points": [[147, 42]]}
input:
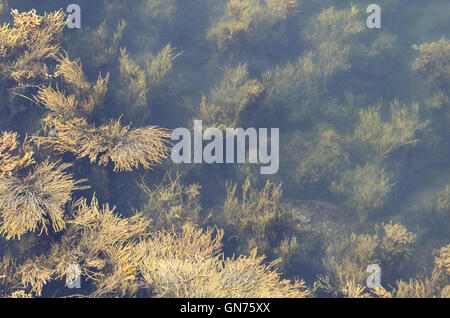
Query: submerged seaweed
{"points": [[364, 174]]}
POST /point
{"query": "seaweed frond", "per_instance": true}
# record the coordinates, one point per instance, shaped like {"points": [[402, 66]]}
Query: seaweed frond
{"points": [[248, 22], [433, 64], [255, 218], [172, 204], [13, 159], [30, 44], [383, 138], [235, 93], [139, 85], [366, 188], [127, 148], [36, 200], [187, 265]]}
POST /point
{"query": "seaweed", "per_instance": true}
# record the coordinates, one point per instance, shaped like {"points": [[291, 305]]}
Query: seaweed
{"points": [[324, 158], [249, 22], [32, 196], [139, 86], [364, 173], [189, 265], [433, 64], [366, 188], [26, 47], [228, 101], [127, 148], [172, 205], [383, 138]]}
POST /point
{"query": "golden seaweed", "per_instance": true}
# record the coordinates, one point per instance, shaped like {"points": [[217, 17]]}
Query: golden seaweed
{"points": [[433, 64], [26, 47], [127, 148], [33, 201], [140, 85], [366, 188], [189, 265], [172, 205], [231, 98], [248, 22]]}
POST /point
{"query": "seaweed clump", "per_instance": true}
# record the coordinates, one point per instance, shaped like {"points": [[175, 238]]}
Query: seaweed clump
{"points": [[366, 189], [434, 62], [127, 148], [189, 265], [428, 286], [121, 258], [31, 195], [248, 22], [27, 47], [346, 261], [172, 205], [71, 131], [138, 86], [383, 138], [228, 102]]}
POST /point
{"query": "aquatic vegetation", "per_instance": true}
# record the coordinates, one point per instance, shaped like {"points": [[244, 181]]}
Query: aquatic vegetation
{"points": [[435, 285], [26, 47], [363, 150], [139, 85], [434, 62], [249, 22], [127, 148], [295, 89], [30, 202], [33, 276], [156, 11], [396, 244], [441, 270], [331, 33], [8, 279], [31, 195], [135, 80], [443, 200], [85, 98], [395, 249], [287, 251], [3, 7], [227, 102], [12, 158], [172, 205], [121, 259], [189, 265], [383, 138], [365, 187], [384, 46], [437, 101], [256, 219], [102, 46], [346, 263], [325, 158], [159, 68], [339, 25], [98, 241]]}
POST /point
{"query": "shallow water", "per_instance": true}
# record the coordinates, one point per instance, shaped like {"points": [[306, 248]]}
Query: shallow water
{"points": [[339, 173]]}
